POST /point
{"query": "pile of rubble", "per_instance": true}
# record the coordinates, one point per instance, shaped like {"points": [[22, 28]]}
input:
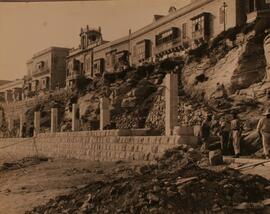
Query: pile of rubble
{"points": [[23, 163], [175, 184]]}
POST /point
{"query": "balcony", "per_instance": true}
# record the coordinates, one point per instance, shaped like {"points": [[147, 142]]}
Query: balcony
{"points": [[168, 45], [41, 72], [198, 34], [252, 16]]}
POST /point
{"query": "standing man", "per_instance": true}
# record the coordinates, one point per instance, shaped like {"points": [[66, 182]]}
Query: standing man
{"points": [[206, 131], [224, 135], [24, 130], [236, 134], [263, 129]]}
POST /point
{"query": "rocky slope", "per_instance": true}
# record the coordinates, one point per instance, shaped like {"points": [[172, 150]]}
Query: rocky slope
{"points": [[228, 74]]}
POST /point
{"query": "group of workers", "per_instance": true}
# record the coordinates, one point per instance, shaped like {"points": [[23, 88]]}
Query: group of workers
{"points": [[230, 133]]}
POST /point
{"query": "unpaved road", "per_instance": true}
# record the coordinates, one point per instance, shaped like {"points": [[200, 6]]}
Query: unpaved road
{"points": [[25, 188]]}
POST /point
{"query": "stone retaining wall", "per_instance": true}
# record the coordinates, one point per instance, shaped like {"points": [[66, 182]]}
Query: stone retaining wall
{"points": [[81, 145]]}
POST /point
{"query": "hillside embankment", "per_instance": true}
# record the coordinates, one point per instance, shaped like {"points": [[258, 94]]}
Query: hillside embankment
{"points": [[228, 74]]}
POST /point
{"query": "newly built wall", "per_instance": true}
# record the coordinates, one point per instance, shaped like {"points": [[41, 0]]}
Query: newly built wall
{"points": [[98, 146]]}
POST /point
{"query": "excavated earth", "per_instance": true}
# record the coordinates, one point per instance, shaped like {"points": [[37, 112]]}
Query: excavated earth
{"points": [[175, 184]]}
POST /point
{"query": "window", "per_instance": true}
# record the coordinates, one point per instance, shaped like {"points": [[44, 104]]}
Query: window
{"points": [[93, 38], [143, 50], [110, 58], [98, 67], [87, 63], [201, 26], [198, 24], [76, 65], [40, 64], [184, 30], [167, 36]]}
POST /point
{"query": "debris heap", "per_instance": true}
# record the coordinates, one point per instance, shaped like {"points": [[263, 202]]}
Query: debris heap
{"points": [[175, 184]]}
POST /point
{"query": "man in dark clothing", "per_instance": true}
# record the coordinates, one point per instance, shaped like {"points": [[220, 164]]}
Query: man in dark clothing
{"points": [[224, 135], [31, 130], [24, 130], [206, 131]]}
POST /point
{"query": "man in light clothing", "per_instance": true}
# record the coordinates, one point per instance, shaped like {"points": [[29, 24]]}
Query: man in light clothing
{"points": [[236, 135], [263, 129]]}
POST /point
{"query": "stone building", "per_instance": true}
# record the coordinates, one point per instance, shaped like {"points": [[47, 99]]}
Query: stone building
{"points": [[186, 27], [11, 91], [46, 70], [80, 61]]}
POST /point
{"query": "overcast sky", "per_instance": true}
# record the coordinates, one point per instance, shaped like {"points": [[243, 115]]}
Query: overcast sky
{"points": [[26, 28]]}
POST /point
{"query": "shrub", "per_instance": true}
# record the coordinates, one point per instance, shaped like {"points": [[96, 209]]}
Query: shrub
{"points": [[169, 65], [199, 51]]}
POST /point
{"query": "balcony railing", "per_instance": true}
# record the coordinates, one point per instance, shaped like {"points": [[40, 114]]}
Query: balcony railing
{"points": [[198, 34], [168, 45], [41, 71]]}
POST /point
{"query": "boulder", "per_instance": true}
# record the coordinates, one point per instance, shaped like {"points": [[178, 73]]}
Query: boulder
{"points": [[215, 158], [197, 130], [143, 91], [129, 102]]}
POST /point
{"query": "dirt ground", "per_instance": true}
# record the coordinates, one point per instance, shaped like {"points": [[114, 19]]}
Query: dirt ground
{"points": [[24, 188]]}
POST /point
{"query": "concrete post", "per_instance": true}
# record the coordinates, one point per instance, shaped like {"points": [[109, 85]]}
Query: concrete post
{"points": [[104, 112], [36, 123], [22, 121], [54, 120], [10, 124], [6, 96], [171, 102], [75, 117], [1, 118]]}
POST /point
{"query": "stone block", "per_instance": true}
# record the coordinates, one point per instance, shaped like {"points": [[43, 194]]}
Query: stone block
{"points": [[189, 140], [139, 132], [215, 158], [182, 130]]}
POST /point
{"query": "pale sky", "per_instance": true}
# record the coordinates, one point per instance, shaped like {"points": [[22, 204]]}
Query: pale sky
{"points": [[26, 28]]}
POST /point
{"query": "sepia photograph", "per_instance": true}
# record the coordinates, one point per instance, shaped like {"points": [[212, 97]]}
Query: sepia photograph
{"points": [[134, 106]]}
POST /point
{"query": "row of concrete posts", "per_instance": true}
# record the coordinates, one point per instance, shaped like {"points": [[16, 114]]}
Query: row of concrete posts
{"points": [[104, 117], [171, 100]]}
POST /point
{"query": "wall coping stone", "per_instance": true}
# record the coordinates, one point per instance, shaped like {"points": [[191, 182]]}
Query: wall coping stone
{"points": [[102, 133]]}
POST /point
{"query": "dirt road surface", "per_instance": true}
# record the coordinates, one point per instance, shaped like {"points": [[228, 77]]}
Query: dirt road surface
{"points": [[25, 188]]}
